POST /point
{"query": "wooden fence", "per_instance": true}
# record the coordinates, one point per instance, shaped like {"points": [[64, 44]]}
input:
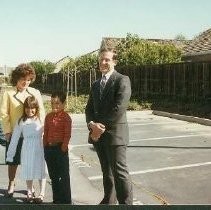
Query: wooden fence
{"points": [[191, 81]]}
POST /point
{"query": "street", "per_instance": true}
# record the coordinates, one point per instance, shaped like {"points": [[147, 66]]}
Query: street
{"points": [[169, 160]]}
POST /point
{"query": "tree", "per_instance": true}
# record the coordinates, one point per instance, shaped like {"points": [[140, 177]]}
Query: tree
{"points": [[43, 67], [136, 51], [87, 62], [69, 69], [180, 37]]}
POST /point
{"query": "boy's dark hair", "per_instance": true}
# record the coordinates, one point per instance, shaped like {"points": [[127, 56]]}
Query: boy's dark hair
{"points": [[61, 95]]}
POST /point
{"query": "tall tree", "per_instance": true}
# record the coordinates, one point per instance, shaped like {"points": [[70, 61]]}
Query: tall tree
{"points": [[180, 37], [136, 51], [43, 67]]}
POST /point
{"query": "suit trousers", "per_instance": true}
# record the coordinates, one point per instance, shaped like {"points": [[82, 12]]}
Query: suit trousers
{"points": [[58, 169], [116, 179]]}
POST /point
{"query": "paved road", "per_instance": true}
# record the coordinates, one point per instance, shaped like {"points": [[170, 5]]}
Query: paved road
{"points": [[169, 160]]}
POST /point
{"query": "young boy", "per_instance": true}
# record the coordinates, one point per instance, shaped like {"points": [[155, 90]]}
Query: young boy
{"points": [[57, 134]]}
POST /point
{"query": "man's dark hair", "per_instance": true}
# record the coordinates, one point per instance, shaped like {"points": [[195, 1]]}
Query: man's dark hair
{"points": [[61, 95], [109, 50]]}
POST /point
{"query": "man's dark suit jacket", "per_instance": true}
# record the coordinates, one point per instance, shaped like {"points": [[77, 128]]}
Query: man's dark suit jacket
{"points": [[110, 109]]}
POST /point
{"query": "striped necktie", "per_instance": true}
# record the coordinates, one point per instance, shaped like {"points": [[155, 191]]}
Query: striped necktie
{"points": [[102, 84]]}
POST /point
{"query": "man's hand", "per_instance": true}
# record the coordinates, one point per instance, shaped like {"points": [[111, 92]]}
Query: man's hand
{"points": [[97, 129]]}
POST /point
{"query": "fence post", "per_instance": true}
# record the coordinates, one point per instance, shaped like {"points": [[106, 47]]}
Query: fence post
{"points": [[68, 85]]}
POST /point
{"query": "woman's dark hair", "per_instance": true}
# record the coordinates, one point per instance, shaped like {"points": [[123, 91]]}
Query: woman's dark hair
{"points": [[21, 71], [30, 102]]}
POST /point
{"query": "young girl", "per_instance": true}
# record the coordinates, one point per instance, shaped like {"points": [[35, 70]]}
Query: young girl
{"points": [[32, 153]]}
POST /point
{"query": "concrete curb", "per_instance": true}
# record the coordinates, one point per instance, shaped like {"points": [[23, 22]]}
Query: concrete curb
{"points": [[202, 121]]}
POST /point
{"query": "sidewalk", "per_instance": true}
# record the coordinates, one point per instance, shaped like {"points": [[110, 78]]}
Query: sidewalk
{"points": [[202, 121], [83, 193]]}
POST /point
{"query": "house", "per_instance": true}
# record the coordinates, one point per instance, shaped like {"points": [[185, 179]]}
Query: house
{"points": [[65, 60], [199, 49], [60, 64], [110, 42]]}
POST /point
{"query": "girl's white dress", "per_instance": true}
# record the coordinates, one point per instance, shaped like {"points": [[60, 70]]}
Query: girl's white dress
{"points": [[32, 153]]}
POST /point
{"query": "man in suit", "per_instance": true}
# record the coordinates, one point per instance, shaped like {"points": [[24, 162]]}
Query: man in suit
{"points": [[107, 122]]}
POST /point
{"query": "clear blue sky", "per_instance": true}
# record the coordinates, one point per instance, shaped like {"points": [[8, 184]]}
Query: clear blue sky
{"points": [[51, 29]]}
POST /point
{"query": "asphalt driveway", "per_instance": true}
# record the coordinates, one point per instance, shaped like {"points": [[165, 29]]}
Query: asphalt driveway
{"points": [[169, 159]]}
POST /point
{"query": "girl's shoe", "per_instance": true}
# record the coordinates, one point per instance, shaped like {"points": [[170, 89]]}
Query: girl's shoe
{"points": [[39, 199], [29, 198], [33, 191]]}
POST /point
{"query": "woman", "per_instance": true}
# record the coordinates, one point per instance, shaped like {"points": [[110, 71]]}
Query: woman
{"points": [[12, 109]]}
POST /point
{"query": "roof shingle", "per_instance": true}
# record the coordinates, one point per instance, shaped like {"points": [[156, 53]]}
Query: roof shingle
{"points": [[200, 45]]}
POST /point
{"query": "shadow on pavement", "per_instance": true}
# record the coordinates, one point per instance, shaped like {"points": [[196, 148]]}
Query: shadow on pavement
{"points": [[14, 200]]}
